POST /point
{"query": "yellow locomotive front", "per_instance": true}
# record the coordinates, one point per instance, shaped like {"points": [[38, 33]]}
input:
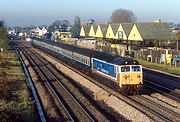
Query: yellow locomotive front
{"points": [[131, 78]]}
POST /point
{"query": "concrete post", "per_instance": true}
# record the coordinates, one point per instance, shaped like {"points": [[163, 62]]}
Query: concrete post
{"points": [[1, 49], [175, 63]]}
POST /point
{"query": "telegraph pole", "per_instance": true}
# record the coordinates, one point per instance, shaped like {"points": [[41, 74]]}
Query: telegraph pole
{"points": [[177, 43]]}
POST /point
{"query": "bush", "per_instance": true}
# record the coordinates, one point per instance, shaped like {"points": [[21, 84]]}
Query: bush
{"points": [[6, 116], [3, 83], [3, 39]]}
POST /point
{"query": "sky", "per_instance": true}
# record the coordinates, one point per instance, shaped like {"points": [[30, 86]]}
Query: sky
{"points": [[44, 12]]}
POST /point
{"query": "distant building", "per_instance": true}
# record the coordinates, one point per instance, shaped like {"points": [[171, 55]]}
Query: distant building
{"points": [[84, 23], [90, 21], [157, 21], [136, 34], [39, 31], [61, 35], [87, 43], [151, 34], [12, 32], [20, 34], [28, 39], [84, 32], [175, 30]]}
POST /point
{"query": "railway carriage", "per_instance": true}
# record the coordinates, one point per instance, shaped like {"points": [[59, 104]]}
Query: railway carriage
{"points": [[126, 72]]}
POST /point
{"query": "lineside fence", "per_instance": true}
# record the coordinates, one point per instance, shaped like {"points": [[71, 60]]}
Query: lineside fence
{"points": [[154, 55]]}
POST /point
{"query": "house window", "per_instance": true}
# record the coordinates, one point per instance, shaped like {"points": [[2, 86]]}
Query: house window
{"points": [[120, 35]]}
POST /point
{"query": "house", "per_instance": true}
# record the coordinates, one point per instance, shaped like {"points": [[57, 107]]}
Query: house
{"points": [[130, 34], [118, 31], [175, 30], [123, 31], [21, 34], [85, 30], [12, 32], [39, 31], [111, 31], [117, 35], [92, 31], [101, 31]]}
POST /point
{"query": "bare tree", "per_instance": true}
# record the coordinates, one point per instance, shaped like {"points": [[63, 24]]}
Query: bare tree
{"points": [[123, 16], [1, 24]]}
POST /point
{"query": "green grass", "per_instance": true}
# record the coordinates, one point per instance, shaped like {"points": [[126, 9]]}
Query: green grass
{"points": [[14, 63], [16, 103], [162, 67]]}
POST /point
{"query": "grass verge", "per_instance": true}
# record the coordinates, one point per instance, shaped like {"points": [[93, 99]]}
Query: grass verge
{"points": [[16, 103], [161, 67]]}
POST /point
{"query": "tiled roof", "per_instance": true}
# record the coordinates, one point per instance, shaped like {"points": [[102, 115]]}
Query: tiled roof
{"points": [[86, 29], [104, 28], [115, 27], [157, 31], [127, 28], [95, 27]]}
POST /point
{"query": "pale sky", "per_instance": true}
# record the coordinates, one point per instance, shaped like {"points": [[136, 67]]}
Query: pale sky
{"points": [[39, 12]]}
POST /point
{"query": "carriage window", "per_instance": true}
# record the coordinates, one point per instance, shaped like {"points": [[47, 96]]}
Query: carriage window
{"points": [[125, 69], [136, 68], [86, 62]]}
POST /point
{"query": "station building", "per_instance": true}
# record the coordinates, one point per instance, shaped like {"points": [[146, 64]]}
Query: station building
{"points": [[129, 34]]}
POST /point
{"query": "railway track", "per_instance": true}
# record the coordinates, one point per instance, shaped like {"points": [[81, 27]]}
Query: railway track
{"points": [[153, 109], [164, 80], [140, 103], [40, 109], [74, 110], [162, 111], [164, 75], [170, 93]]}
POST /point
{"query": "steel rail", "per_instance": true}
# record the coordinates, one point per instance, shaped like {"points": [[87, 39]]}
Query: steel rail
{"points": [[176, 98], [156, 107], [34, 92], [124, 98], [42, 74], [54, 76]]}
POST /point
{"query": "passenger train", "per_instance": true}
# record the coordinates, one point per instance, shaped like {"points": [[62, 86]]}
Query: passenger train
{"points": [[126, 72]]}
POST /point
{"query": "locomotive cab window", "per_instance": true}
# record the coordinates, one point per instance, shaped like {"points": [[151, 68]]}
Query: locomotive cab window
{"points": [[125, 69], [136, 68]]}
